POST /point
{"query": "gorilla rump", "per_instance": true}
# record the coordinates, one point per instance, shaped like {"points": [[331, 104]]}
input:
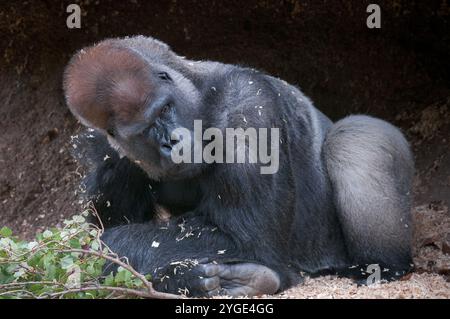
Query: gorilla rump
{"points": [[341, 196]]}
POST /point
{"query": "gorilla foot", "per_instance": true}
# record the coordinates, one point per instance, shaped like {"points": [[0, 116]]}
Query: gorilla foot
{"points": [[211, 279], [243, 279]]}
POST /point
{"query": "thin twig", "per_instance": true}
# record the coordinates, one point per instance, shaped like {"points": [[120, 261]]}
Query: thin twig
{"points": [[6, 293], [126, 291], [24, 283], [91, 207]]}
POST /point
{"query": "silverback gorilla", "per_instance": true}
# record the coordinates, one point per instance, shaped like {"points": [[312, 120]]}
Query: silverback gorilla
{"points": [[340, 198]]}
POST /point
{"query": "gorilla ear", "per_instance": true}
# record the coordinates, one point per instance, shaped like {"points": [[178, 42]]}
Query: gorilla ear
{"points": [[106, 82]]}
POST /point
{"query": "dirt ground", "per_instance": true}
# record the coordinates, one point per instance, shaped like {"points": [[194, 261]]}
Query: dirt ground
{"points": [[400, 73]]}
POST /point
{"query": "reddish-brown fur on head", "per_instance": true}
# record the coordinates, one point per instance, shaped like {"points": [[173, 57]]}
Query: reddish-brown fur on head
{"points": [[107, 82]]}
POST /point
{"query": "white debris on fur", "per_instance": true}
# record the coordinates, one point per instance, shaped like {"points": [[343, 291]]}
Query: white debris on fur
{"points": [[155, 244]]}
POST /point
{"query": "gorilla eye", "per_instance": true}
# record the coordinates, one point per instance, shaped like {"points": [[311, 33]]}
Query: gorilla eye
{"points": [[165, 109], [164, 76], [110, 132]]}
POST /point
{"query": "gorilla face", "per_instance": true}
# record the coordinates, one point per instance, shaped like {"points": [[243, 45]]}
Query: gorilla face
{"points": [[137, 103], [149, 141]]}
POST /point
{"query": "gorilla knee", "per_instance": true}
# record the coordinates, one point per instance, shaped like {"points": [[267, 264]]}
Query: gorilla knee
{"points": [[371, 168]]}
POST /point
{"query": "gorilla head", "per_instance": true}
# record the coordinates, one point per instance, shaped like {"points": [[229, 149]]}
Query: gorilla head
{"points": [[136, 101]]}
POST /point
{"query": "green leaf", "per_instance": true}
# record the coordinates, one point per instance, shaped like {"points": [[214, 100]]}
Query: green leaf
{"points": [[95, 245], [5, 232], [75, 243], [78, 219], [109, 280], [47, 234], [19, 273], [122, 276], [51, 272], [32, 244], [66, 262]]}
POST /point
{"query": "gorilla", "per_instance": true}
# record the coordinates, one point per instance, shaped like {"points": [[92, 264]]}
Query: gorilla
{"points": [[339, 201]]}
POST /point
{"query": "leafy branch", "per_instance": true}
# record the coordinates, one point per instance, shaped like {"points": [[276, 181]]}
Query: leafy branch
{"points": [[68, 263]]}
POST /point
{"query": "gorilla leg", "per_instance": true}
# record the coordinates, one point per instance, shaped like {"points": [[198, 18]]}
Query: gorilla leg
{"points": [[371, 169], [185, 255]]}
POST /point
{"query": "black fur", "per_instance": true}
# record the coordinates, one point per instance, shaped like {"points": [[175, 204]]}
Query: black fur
{"points": [[120, 191]]}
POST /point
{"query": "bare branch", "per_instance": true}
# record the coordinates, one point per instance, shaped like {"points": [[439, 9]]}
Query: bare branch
{"points": [[125, 291]]}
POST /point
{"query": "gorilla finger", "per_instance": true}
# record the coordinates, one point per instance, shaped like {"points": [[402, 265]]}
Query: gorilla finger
{"points": [[209, 270], [209, 284]]}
